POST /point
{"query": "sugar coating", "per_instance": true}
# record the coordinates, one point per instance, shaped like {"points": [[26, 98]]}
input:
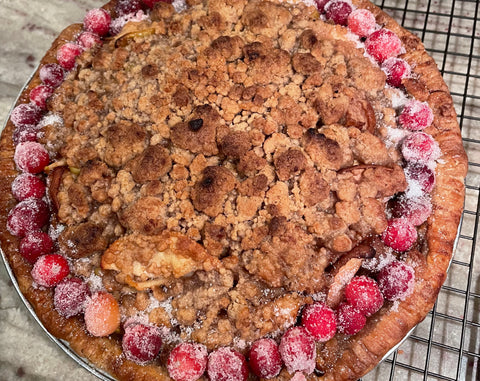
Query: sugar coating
{"points": [[226, 364], [118, 23], [297, 349]]}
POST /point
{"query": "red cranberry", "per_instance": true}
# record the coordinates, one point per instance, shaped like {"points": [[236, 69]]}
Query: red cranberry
{"points": [[349, 319], [25, 134], [187, 362], [27, 216], [420, 146], [320, 4], [396, 69], [396, 280], [26, 186], [141, 343], [362, 22], [400, 234], [421, 179], [97, 21], [34, 245], [338, 11], [364, 295], [88, 40], [40, 94], [151, 3], [26, 114], [320, 322], [416, 115], [264, 358], [31, 157], [67, 53], [297, 349], [50, 269], [383, 44], [70, 296], [125, 7], [416, 209], [52, 74], [227, 364]]}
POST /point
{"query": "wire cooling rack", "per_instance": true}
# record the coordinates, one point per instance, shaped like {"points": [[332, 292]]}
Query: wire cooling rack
{"points": [[446, 345]]}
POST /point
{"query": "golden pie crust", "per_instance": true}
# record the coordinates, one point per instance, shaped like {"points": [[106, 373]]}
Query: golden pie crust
{"points": [[340, 358]]}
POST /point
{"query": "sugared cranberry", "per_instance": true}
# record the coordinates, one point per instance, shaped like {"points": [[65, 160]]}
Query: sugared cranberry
{"points": [[364, 295], [396, 69], [187, 362], [67, 53], [125, 7], [338, 11], [362, 22], [102, 314], [141, 343], [264, 358], [297, 349], [40, 94], [52, 74], [25, 134], [420, 178], [26, 186], [349, 319], [26, 114], [97, 21], [416, 115], [227, 364], [70, 296], [31, 157], [396, 280], [383, 44], [320, 4], [27, 216], [400, 234], [420, 146], [50, 269], [34, 245], [415, 209], [88, 40], [320, 322]]}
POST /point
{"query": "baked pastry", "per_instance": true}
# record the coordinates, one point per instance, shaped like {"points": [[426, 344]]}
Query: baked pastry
{"points": [[234, 180]]}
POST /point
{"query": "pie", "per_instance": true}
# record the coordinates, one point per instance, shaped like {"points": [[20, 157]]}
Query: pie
{"points": [[232, 189]]}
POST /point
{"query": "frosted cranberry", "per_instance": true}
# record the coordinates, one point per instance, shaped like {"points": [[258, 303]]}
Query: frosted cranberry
{"points": [[319, 320], [364, 295], [50, 269], [27, 216], [25, 134], [26, 114], [383, 44], [362, 22], [34, 245], [125, 7], [70, 296], [31, 157], [396, 69], [396, 280], [416, 115], [420, 146], [102, 314], [297, 349], [67, 53], [400, 234], [40, 94], [26, 186], [338, 12], [52, 74], [349, 319], [150, 3], [97, 21], [187, 362], [141, 343], [414, 209], [227, 364], [420, 178], [264, 358], [320, 4], [298, 376], [88, 40]]}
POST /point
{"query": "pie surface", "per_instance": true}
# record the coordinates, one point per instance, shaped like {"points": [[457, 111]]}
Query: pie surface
{"points": [[218, 169]]}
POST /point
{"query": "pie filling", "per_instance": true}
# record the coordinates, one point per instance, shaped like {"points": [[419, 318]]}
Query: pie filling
{"points": [[236, 178]]}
